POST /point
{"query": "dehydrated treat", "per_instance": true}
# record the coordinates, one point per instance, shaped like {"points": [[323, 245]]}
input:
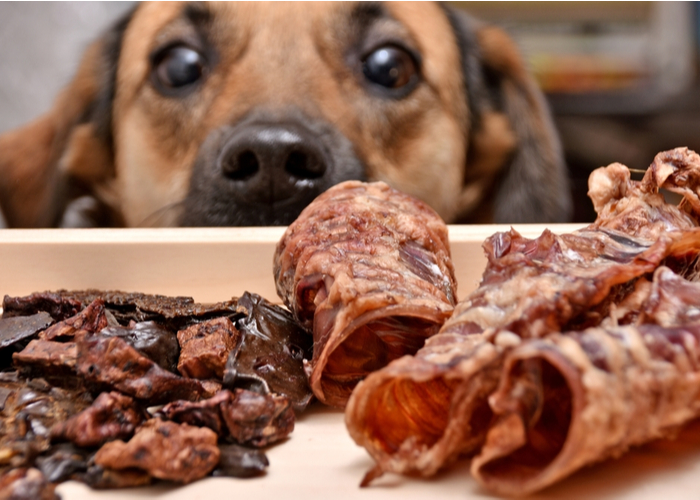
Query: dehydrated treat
{"points": [[206, 413], [57, 306], [152, 340], [271, 352], [368, 269], [420, 413], [92, 319], [239, 461], [29, 411], [250, 418], [55, 361], [16, 329], [205, 347], [111, 416], [256, 419], [26, 484], [576, 398], [111, 362], [166, 450], [62, 461]]}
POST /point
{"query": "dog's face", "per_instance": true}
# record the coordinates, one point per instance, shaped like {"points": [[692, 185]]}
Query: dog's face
{"points": [[239, 113]]}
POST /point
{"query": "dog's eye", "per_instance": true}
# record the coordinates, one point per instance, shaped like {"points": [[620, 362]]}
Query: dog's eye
{"points": [[178, 67], [390, 67]]}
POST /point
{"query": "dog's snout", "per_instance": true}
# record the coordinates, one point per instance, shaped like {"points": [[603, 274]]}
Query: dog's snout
{"points": [[271, 161]]}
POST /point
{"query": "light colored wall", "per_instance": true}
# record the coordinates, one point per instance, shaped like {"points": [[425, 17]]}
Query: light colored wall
{"points": [[40, 47]]}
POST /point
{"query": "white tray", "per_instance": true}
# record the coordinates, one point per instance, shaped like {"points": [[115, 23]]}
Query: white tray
{"points": [[319, 460]]}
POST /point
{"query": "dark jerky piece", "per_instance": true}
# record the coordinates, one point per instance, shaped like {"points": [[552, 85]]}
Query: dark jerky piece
{"points": [[111, 416], [62, 461], [111, 362], [54, 361], [150, 339], [16, 331], [57, 306], [166, 450], [99, 478], [26, 484], [205, 347], [271, 353], [256, 419], [239, 461], [92, 319], [30, 411], [251, 418], [205, 413]]}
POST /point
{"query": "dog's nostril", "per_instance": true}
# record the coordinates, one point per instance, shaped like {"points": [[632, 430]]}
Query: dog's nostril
{"points": [[242, 166], [304, 165]]}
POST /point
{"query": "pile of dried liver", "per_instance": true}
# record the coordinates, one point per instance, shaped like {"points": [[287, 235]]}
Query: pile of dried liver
{"points": [[116, 389]]}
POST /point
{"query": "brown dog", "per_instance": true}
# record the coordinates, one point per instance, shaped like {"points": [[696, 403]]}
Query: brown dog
{"points": [[242, 113]]}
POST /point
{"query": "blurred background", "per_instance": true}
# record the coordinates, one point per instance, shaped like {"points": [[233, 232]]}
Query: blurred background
{"points": [[622, 78]]}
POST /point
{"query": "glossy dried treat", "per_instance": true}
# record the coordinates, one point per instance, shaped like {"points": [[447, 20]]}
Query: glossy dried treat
{"points": [[111, 362], [166, 450], [111, 416], [576, 398], [55, 361], [61, 462], [17, 329], [271, 352], [99, 478], [239, 461], [205, 347], [206, 413], [92, 319], [58, 307], [368, 269], [151, 339], [257, 420], [420, 413], [26, 484], [29, 411], [248, 417]]}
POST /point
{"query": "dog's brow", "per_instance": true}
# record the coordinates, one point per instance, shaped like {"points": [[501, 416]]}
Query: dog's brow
{"points": [[366, 13], [197, 13]]}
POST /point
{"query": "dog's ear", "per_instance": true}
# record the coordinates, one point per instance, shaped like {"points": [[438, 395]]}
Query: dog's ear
{"points": [[67, 153], [515, 169]]}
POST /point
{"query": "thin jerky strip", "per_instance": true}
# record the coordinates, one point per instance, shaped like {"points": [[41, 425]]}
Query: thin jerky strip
{"points": [[577, 398], [368, 269]]}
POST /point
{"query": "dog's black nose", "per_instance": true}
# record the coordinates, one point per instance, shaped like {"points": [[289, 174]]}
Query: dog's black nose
{"points": [[271, 163]]}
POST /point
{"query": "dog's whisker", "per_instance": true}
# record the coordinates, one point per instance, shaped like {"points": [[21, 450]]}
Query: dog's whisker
{"points": [[156, 217]]}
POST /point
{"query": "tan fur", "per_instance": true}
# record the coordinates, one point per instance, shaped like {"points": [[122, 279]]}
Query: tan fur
{"points": [[277, 55]]}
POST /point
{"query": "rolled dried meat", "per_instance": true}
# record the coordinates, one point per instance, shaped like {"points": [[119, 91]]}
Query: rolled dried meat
{"points": [[368, 270], [420, 413], [580, 397]]}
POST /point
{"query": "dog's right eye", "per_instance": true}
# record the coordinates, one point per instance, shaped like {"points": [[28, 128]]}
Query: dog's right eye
{"points": [[178, 67]]}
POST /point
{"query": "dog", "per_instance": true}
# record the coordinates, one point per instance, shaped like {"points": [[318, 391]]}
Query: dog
{"points": [[240, 114]]}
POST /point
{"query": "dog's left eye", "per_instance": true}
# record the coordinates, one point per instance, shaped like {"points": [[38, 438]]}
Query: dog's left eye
{"points": [[178, 67], [390, 67]]}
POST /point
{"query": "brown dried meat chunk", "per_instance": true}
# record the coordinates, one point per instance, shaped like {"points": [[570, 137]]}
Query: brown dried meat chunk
{"points": [[58, 307], [111, 416], [257, 419], [368, 269], [92, 319], [205, 347], [580, 397], [26, 484], [250, 418], [61, 462], [270, 355], [49, 359], [29, 412], [99, 478], [111, 362], [152, 340], [17, 329], [166, 450]]}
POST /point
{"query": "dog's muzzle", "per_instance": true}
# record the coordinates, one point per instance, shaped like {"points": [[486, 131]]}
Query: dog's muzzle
{"points": [[264, 172]]}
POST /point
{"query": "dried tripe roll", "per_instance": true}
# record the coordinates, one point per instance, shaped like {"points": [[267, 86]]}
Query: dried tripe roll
{"points": [[368, 270]]}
